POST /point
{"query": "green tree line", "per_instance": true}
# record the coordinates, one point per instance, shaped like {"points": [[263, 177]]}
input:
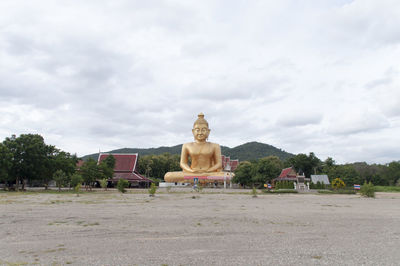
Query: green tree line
{"points": [[28, 159], [156, 166], [262, 171]]}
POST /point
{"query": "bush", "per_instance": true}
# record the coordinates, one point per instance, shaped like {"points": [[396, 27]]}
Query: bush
{"points": [[122, 184], [254, 192], [104, 183], [318, 185], [368, 190], [284, 185], [77, 188], [338, 183], [152, 189]]}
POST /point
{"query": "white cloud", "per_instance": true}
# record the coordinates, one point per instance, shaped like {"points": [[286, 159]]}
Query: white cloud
{"points": [[301, 75]]}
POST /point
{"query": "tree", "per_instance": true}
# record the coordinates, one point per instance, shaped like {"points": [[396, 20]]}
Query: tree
{"points": [[392, 174], [106, 167], [90, 172], [29, 155], [5, 163], [308, 164], [266, 169], [61, 179], [243, 174], [58, 160], [75, 180], [158, 165], [105, 171], [346, 172]]}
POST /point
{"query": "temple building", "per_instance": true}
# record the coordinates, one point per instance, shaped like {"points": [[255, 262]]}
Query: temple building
{"points": [[290, 174], [229, 165], [126, 168], [287, 174]]}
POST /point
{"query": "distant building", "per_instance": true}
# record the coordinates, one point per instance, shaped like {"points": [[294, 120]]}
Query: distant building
{"points": [[289, 174], [320, 178], [126, 168], [229, 165]]}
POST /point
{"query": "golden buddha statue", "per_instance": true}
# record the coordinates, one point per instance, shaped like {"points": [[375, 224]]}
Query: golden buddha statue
{"points": [[206, 162]]}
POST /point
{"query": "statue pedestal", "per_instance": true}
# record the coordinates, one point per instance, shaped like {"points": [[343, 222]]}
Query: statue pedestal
{"points": [[220, 177]]}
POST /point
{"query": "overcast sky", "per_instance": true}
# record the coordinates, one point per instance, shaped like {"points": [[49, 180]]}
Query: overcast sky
{"points": [[304, 76]]}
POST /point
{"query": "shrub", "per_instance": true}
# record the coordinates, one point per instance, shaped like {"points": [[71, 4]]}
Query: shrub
{"points": [[104, 183], [368, 190], [254, 192], [77, 188], [122, 184], [284, 185], [152, 189], [338, 183]]}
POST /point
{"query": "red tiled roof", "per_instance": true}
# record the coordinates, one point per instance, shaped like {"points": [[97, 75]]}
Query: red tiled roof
{"points": [[123, 162], [286, 173], [133, 177]]}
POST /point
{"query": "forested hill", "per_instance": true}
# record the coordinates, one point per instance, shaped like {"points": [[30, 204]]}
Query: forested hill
{"points": [[254, 150], [245, 152]]}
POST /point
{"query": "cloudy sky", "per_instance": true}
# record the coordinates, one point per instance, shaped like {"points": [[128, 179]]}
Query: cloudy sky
{"points": [[304, 76]]}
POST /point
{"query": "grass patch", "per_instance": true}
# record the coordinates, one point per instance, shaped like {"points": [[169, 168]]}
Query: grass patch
{"points": [[91, 224], [387, 189], [339, 191], [54, 250], [3, 262], [89, 202], [59, 201], [57, 223], [280, 191]]}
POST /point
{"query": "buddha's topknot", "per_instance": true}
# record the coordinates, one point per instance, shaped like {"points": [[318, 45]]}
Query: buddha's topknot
{"points": [[200, 120]]}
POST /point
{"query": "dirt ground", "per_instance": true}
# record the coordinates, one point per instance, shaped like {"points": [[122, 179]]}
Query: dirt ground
{"points": [[215, 227]]}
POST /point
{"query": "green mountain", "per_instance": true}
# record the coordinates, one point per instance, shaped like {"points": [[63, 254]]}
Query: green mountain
{"points": [[245, 152], [253, 151]]}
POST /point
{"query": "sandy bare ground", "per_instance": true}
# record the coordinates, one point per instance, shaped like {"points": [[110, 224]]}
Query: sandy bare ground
{"points": [[189, 228]]}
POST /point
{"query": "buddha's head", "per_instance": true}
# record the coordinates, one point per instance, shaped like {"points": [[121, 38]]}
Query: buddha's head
{"points": [[200, 129]]}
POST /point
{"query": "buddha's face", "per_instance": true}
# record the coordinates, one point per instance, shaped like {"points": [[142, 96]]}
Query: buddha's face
{"points": [[201, 132]]}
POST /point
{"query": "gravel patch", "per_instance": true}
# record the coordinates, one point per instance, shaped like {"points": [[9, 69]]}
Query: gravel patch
{"points": [[214, 227]]}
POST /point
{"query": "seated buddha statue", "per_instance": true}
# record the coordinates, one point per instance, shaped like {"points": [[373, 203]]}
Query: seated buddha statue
{"points": [[205, 157]]}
